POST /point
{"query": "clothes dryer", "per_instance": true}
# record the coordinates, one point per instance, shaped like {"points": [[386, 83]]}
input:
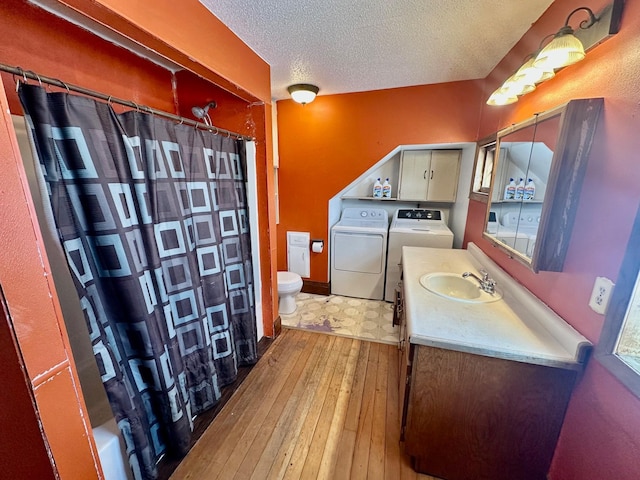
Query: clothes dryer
{"points": [[413, 228], [359, 253]]}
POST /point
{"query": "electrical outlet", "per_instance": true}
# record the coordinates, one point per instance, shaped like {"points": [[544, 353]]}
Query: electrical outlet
{"points": [[600, 295]]}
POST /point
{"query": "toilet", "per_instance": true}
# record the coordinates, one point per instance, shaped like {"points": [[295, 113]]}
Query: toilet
{"points": [[289, 285]]}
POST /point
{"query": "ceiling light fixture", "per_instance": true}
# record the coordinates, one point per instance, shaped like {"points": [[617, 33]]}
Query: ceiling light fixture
{"points": [[567, 47], [303, 92]]}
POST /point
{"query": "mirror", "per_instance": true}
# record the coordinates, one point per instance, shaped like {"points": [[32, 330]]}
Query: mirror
{"points": [[537, 175], [524, 163]]}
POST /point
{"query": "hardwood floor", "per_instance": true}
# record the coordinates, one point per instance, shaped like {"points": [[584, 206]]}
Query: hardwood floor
{"points": [[315, 406]]}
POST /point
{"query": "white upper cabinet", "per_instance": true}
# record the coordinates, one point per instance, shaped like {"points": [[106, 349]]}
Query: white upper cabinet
{"points": [[429, 175]]}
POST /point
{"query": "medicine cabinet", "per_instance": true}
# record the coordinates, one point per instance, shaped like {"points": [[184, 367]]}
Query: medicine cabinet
{"points": [[550, 152]]}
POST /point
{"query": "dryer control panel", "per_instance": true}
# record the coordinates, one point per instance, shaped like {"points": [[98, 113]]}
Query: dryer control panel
{"points": [[364, 213]]}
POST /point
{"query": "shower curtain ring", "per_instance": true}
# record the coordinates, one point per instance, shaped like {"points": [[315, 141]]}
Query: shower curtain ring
{"points": [[228, 134], [109, 101], [24, 75], [36, 75], [137, 106], [65, 86]]}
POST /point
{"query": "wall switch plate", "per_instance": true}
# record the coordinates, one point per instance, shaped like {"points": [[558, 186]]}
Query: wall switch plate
{"points": [[601, 294]]}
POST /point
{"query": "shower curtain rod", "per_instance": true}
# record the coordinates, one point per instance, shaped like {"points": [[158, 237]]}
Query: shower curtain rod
{"points": [[24, 74]]}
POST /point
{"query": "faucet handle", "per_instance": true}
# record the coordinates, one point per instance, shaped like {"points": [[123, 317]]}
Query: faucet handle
{"points": [[485, 274]]}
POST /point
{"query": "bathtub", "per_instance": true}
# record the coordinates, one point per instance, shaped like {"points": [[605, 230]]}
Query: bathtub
{"points": [[113, 458]]}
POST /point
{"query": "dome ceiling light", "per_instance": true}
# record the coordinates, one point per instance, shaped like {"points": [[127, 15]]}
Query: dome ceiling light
{"points": [[303, 92]]}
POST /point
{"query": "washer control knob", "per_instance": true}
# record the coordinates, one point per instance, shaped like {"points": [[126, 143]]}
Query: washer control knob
{"points": [[363, 213]]}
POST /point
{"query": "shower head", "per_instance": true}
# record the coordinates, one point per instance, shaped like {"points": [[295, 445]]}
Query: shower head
{"points": [[203, 112]]}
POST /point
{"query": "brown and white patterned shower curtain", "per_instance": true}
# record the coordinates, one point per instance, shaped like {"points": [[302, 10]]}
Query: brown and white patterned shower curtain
{"points": [[152, 217]]}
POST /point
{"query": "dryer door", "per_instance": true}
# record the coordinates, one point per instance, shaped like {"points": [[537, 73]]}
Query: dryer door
{"points": [[359, 252]]}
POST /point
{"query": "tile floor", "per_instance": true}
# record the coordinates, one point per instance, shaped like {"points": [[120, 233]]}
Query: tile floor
{"points": [[344, 316]]}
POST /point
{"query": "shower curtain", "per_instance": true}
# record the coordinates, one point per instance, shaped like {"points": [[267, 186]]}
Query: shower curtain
{"points": [[152, 217]]}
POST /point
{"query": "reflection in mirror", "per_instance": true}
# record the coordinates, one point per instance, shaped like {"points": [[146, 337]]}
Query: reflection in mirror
{"points": [[522, 173], [483, 169], [548, 153]]}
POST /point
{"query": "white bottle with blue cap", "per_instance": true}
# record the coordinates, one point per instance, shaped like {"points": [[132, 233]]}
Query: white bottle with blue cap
{"points": [[377, 189]]}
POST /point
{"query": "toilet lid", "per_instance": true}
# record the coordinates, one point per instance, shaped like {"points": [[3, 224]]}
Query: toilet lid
{"points": [[288, 277]]}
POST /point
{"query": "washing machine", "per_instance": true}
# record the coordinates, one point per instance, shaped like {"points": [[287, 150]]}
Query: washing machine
{"points": [[519, 230], [413, 228], [359, 253]]}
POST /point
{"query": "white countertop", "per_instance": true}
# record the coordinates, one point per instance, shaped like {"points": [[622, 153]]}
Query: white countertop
{"points": [[519, 327]]}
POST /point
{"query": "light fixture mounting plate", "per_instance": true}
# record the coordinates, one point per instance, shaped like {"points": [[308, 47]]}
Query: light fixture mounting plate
{"points": [[608, 24]]}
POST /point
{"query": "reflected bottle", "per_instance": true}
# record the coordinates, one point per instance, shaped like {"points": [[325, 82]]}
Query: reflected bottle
{"points": [[529, 190], [520, 190], [510, 190]]}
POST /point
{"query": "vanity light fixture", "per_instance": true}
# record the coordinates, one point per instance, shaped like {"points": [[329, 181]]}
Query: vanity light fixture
{"points": [[303, 92], [567, 47], [532, 74], [501, 97]]}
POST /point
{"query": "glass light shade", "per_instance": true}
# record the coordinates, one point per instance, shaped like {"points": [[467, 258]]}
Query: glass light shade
{"points": [[563, 50], [303, 92], [501, 97], [529, 74], [517, 87]]}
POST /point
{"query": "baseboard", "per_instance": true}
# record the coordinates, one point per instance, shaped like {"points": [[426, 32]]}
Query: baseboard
{"points": [[319, 288]]}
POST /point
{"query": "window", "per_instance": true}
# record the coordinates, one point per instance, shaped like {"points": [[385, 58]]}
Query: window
{"points": [[483, 169], [619, 346]]}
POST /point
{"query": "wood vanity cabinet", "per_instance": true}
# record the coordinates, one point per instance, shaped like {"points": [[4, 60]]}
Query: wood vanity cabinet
{"points": [[429, 175], [467, 416]]}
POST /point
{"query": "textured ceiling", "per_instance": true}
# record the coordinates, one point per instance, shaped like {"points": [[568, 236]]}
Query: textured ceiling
{"points": [[357, 45]]}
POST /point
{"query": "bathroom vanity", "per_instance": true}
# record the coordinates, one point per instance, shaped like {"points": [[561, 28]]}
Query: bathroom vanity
{"points": [[484, 380]]}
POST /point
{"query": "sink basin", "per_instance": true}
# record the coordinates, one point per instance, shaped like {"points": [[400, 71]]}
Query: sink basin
{"points": [[454, 287]]}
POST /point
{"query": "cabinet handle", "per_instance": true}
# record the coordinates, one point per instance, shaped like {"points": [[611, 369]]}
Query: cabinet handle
{"points": [[431, 178], [424, 175]]}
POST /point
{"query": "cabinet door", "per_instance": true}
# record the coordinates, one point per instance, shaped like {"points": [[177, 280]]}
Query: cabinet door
{"points": [[471, 416], [443, 175], [414, 171]]}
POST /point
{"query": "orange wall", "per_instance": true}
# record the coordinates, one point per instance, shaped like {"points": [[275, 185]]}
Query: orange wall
{"points": [[327, 144], [35, 40], [601, 434], [18, 414]]}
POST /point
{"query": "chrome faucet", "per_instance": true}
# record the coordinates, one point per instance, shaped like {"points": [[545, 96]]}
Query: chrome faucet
{"points": [[487, 283]]}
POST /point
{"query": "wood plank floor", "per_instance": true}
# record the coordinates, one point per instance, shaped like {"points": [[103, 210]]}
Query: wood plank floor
{"points": [[314, 407]]}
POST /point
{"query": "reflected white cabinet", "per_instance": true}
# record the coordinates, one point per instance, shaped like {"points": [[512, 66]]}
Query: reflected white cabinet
{"points": [[429, 175]]}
